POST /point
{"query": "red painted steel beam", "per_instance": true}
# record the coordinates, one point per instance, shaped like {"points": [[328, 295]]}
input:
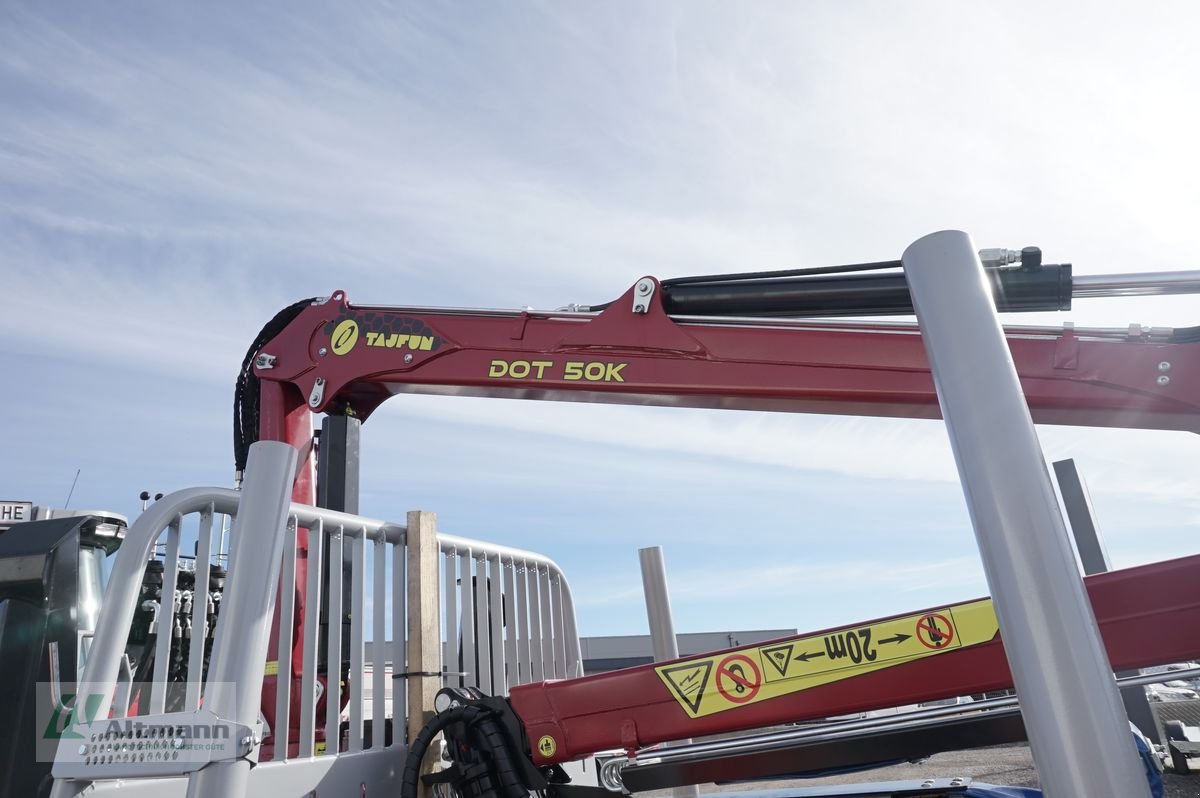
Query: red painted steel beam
{"points": [[1147, 616], [335, 354], [623, 357]]}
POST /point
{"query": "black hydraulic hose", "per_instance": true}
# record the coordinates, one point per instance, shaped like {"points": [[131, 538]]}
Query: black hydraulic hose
{"points": [[245, 392], [141, 669], [504, 782], [420, 745]]}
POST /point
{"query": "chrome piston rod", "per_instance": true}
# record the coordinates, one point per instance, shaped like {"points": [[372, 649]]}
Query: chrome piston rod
{"points": [[1089, 286]]}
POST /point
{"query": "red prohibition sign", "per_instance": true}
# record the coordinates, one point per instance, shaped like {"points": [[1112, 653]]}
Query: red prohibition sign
{"points": [[738, 678], [935, 631]]}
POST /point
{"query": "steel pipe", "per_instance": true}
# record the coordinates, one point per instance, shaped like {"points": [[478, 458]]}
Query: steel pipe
{"points": [[658, 604], [1073, 715], [234, 685], [664, 643]]}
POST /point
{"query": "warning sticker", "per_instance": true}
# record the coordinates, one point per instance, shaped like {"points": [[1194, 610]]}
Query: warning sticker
{"points": [[738, 679], [687, 682], [934, 631], [709, 685], [779, 657]]}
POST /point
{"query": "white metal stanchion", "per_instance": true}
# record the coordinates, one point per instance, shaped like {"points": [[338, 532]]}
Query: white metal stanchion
{"points": [[1073, 715], [243, 628]]}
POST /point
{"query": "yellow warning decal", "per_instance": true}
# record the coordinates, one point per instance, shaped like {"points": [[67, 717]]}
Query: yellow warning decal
{"points": [[546, 746], [727, 681], [272, 668]]}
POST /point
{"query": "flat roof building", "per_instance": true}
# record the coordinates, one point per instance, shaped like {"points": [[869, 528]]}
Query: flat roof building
{"points": [[602, 654]]}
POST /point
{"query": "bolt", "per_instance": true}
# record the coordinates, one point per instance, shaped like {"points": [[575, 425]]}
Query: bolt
{"points": [[322, 351], [1163, 380], [82, 750], [643, 288], [1164, 366], [408, 358], [177, 742]]}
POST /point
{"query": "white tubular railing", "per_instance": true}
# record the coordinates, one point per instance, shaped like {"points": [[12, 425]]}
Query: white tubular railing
{"points": [[508, 619]]}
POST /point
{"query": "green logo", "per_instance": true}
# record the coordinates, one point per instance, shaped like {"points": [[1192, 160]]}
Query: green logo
{"points": [[62, 721]]}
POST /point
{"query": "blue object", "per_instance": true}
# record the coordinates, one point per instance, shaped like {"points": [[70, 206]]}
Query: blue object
{"points": [[1152, 772], [1153, 775]]}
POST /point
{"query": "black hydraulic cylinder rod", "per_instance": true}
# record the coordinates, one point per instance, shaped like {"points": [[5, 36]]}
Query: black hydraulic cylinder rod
{"points": [[1047, 287]]}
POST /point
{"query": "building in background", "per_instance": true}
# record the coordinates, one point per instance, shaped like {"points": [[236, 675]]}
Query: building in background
{"points": [[602, 654]]}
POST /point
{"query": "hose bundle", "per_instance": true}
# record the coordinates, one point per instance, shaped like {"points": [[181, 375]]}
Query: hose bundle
{"points": [[245, 392]]}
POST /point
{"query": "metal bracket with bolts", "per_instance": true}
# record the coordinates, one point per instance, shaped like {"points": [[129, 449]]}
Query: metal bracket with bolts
{"points": [[318, 393], [643, 291]]}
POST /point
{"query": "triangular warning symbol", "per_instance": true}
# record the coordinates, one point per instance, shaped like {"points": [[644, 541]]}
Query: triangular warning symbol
{"points": [[779, 657], [688, 682]]}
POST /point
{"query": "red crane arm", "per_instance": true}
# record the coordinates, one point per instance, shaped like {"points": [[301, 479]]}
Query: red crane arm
{"points": [[928, 654], [339, 358], [335, 355]]}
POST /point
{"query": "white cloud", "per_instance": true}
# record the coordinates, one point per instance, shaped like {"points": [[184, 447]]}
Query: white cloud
{"points": [[169, 180]]}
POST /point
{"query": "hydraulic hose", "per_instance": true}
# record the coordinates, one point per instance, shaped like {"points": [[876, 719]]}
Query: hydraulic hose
{"points": [[245, 392], [494, 776]]}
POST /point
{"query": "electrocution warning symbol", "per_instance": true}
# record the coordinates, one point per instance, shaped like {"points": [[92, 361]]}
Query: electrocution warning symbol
{"points": [[738, 678], [779, 656], [935, 631], [688, 682]]}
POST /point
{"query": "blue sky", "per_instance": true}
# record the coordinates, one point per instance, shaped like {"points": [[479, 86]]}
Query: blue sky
{"points": [[173, 174]]}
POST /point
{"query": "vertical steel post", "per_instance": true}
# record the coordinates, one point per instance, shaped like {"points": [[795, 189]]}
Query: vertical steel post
{"points": [[1072, 711], [1094, 559], [338, 489], [1093, 556], [658, 604], [338, 463], [234, 685], [662, 624]]}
